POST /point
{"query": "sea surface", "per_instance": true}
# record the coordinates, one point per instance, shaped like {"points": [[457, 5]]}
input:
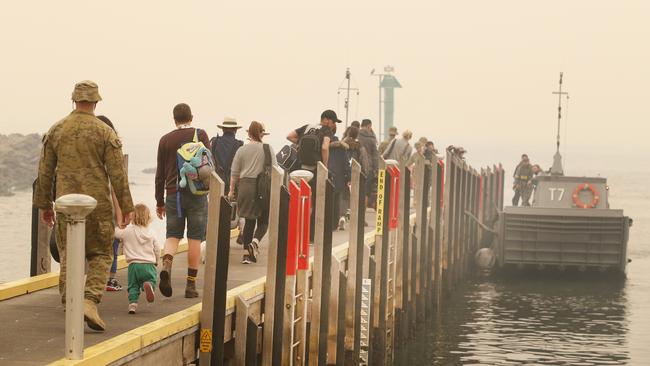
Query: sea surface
{"points": [[524, 320], [487, 321]]}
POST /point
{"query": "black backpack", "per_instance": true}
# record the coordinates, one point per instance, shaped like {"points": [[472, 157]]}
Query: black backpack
{"points": [[309, 147], [264, 178], [287, 158]]}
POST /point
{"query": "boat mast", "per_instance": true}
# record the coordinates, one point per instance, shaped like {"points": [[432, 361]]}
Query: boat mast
{"points": [[557, 168], [559, 93]]}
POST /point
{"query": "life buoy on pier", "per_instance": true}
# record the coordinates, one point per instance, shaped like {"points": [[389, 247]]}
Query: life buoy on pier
{"points": [[595, 196]]}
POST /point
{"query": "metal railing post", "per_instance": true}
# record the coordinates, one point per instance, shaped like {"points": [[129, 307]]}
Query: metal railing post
{"points": [[75, 207]]}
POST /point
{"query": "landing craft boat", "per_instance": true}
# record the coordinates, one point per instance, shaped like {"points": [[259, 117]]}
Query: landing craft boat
{"points": [[569, 224]]}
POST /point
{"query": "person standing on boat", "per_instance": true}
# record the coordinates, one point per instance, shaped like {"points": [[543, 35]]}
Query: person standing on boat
{"points": [[517, 195], [524, 181], [85, 156]]}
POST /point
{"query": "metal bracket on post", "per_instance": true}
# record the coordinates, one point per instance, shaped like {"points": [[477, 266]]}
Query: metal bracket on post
{"points": [[75, 207]]}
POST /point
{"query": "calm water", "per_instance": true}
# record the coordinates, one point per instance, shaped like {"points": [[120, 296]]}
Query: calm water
{"points": [[562, 321], [487, 321]]}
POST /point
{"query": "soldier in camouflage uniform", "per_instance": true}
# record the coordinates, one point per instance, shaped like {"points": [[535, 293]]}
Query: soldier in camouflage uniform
{"points": [[82, 155], [524, 181]]}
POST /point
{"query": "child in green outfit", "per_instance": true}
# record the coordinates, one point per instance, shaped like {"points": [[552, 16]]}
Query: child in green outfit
{"points": [[141, 250]]}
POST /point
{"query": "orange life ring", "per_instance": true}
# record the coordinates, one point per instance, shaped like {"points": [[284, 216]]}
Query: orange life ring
{"points": [[583, 187]]}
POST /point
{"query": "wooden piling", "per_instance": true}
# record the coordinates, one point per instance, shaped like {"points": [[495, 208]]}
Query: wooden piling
{"points": [[355, 264]]}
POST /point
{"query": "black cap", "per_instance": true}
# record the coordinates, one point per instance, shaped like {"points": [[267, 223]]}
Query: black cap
{"points": [[330, 114]]}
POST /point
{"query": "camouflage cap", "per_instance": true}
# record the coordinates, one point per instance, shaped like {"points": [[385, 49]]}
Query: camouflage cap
{"points": [[86, 91], [392, 131]]}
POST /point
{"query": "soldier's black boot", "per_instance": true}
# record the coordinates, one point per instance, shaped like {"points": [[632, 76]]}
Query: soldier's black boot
{"points": [[165, 285]]}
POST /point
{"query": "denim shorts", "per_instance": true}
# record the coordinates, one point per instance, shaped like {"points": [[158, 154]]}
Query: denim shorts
{"points": [[194, 212]]}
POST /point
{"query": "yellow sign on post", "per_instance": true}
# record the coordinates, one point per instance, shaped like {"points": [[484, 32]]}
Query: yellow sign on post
{"points": [[381, 185], [206, 341]]}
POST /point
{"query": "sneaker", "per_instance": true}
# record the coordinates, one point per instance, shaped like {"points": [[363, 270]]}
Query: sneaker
{"points": [[342, 224], [113, 285], [246, 259], [256, 248], [251, 253], [134, 306], [149, 292]]}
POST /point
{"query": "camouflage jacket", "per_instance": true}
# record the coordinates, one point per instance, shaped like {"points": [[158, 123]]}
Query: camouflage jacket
{"points": [[84, 155]]}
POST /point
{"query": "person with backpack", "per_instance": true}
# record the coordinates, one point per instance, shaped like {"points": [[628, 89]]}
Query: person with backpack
{"points": [[368, 140], [313, 142], [183, 164], [251, 174], [223, 149], [400, 149]]}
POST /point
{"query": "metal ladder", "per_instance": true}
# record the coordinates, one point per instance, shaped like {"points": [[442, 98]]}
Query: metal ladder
{"points": [[366, 305]]}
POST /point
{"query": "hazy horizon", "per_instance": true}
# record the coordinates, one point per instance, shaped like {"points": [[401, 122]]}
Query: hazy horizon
{"points": [[476, 74]]}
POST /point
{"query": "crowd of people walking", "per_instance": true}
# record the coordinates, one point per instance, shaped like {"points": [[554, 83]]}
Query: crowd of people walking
{"points": [[83, 154]]}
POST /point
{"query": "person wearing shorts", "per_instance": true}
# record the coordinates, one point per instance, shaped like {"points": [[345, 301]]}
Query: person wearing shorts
{"points": [[184, 211]]}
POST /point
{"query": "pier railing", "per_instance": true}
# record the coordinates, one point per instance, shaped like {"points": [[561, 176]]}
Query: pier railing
{"points": [[352, 304]]}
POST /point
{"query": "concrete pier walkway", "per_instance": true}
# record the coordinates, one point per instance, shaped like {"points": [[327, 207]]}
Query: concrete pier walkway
{"points": [[33, 325]]}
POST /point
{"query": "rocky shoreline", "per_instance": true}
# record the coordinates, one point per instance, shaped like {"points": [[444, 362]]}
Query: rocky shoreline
{"points": [[19, 155]]}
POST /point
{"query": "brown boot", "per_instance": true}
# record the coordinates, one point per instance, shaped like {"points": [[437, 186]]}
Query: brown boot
{"points": [[165, 285], [91, 316], [190, 289]]}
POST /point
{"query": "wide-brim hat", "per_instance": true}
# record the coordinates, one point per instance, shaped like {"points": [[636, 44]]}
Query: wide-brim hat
{"points": [[229, 122], [86, 91]]}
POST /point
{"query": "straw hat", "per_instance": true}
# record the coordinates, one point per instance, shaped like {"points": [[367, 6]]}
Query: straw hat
{"points": [[229, 122]]}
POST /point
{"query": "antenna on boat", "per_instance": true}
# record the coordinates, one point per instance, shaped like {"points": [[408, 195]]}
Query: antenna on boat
{"points": [[559, 93], [348, 77], [557, 169]]}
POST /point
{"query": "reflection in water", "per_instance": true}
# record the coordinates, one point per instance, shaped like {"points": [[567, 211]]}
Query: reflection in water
{"points": [[527, 321]]}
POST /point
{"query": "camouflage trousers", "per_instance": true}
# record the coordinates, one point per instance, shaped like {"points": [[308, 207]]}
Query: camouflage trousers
{"points": [[99, 255], [525, 190]]}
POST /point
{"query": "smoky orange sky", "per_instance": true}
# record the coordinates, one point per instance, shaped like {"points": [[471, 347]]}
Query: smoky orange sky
{"points": [[474, 73]]}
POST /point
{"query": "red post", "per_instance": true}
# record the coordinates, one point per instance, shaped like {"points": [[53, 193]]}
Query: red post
{"points": [[294, 230], [442, 182], [305, 207], [394, 197]]}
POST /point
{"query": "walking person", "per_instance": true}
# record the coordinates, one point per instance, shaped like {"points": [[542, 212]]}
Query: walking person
{"points": [[313, 147], [248, 170], [356, 151], [113, 284], [84, 156], [141, 250], [392, 135], [368, 140], [224, 148], [180, 206], [339, 169], [400, 148]]}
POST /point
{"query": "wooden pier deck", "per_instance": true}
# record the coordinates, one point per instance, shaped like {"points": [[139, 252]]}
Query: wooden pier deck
{"points": [[33, 325]]}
